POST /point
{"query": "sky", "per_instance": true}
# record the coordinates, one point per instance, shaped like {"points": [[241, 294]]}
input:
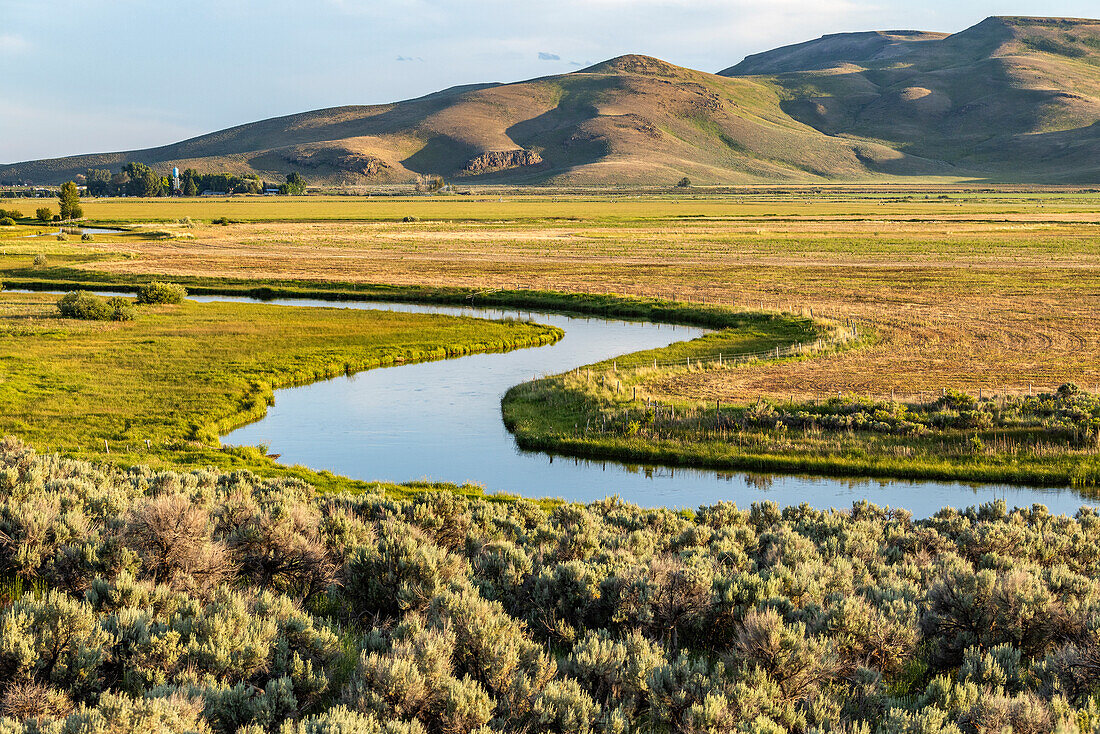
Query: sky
{"points": [[83, 77]]}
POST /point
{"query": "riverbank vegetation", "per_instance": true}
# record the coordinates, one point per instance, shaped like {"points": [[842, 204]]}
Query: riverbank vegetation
{"points": [[208, 602], [1047, 438], [161, 388]]}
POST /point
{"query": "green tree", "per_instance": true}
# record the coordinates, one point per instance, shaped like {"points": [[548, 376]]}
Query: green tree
{"points": [[99, 181], [189, 183], [295, 184], [143, 180], [69, 199], [43, 214]]}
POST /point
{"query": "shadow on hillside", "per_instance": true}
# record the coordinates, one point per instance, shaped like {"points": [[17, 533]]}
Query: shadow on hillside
{"points": [[441, 155]]}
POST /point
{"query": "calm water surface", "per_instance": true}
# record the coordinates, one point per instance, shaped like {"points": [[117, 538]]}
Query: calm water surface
{"points": [[441, 421]]}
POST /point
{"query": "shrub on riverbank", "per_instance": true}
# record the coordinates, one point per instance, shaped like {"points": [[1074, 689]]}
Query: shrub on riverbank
{"points": [[1068, 413], [157, 292], [90, 307], [228, 603]]}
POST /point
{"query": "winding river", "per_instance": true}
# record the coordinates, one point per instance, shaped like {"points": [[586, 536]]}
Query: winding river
{"points": [[440, 421]]}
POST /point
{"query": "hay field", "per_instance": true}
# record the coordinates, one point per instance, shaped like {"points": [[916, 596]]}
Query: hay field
{"points": [[994, 289]]}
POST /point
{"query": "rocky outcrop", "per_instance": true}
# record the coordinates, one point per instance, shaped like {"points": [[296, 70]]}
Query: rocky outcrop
{"points": [[366, 165], [339, 160], [498, 160]]}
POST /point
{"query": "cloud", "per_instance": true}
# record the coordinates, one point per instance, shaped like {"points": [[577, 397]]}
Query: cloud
{"points": [[544, 56], [410, 58], [12, 44]]}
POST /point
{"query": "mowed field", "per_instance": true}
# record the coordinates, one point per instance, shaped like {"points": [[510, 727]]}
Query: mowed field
{"points": [[969, 290]]}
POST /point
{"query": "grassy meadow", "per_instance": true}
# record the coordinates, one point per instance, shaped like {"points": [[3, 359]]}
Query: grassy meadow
{"points": [[160, 389], [994, 290], [985, 289]]}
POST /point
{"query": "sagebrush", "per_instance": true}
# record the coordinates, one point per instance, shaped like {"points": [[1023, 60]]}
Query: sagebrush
{"points": [[228, 603]]}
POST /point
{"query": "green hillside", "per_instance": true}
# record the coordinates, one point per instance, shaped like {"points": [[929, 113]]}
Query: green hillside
{"points": [[1008, 99]]}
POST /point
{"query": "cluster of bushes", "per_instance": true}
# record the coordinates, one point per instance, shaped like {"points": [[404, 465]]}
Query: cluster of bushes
{"points": [[226, 603], [90, 307], [11, 215], [1069, 410]]}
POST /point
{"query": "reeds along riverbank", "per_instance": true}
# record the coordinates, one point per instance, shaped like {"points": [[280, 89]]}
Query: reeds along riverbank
{"points": [[1045, 439]]}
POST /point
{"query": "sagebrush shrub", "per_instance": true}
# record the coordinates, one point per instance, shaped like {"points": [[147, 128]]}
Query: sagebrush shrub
{"points": [[440, 615]]}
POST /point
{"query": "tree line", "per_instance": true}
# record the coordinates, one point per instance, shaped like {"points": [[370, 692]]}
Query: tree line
{"points": [[138, 179]]}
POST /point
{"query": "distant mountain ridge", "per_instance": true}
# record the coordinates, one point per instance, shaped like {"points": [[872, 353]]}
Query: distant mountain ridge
{"points": [[1009, 99]]}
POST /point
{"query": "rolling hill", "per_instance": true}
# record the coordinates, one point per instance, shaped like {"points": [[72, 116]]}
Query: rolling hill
{"points": [[1013, 99]]}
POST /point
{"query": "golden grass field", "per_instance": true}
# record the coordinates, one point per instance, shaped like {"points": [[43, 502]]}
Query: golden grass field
{"points": [[991, 290]]}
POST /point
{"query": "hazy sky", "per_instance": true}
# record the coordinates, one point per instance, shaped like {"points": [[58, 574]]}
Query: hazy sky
{"points": [[80, 76]]}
